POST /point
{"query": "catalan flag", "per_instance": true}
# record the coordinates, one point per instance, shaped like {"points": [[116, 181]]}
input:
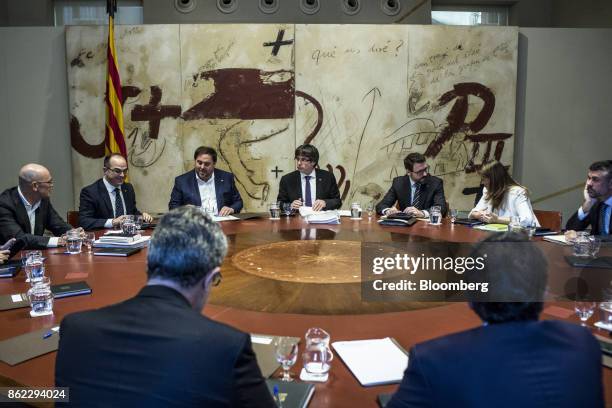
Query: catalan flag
{"points": [[114, 140]]}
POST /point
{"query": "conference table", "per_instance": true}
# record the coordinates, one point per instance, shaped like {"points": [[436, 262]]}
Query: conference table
{"points": [[282, 277]]}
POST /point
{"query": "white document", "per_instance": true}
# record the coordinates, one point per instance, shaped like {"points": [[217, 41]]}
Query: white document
{"points": [[557, 239], [305, 211], [16, 298], [323, 217], [258, 339], [373, 362], [219, 218], [139, 243], [344, 213]]}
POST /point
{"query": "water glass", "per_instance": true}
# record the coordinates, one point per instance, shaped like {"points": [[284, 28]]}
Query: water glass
{"points": [[356, 211], [74, 241], [286, 208], [317, 355], [26, 255], [584, 310], [582, 244], [370, 210], [90, 237], [515, 224], [595, 245], [453, 214], [529, 228], [41, 299], [286, 351], [34, 269], [274, 211], [435, 215], [138, 221], [128, 225], [208, 207]]}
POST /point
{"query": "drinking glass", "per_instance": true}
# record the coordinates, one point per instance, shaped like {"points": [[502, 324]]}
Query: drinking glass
{"points": [[582, 244], [356, 211], [286, 208], [274, 211], [286, 351], [584, 310], [317, 354], [41, 298], [529, 227], [515, 224], [453, 214], [90, 237], [128, 225], [435, 215], [138, 221], [73, 241], [595, 245], [34, 269], [370, 210]]}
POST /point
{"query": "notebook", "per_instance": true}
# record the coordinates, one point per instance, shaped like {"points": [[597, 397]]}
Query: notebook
{"points": [[116, 251], [10, 268], [291, 394], [375, 361], [603, 262]]}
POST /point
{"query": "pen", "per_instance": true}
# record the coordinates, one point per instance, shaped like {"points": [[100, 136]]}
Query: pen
{"points": [[48, 334], [277, 397]]}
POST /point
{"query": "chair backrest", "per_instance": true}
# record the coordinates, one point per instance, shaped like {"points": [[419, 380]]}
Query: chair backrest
{"points": [[73, 218], [550, 219]]}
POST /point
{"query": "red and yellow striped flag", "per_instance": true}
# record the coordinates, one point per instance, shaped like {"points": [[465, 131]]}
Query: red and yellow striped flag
{"points": [[114, 140]]}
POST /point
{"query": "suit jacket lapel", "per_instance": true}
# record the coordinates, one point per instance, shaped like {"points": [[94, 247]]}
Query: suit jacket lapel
{"points": [[195, 191], [20, 211], [218, 185], [39, 227], [103, 193]]}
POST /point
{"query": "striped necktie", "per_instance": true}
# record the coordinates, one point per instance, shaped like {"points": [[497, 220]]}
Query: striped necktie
{"points": [[416, 200], [118, 203], [603, 225]]}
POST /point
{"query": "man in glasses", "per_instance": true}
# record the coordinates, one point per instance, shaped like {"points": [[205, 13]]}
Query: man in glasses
{"points": [[415, 192], [26, 211], [105, 203], [157, 349], [308, 186]]}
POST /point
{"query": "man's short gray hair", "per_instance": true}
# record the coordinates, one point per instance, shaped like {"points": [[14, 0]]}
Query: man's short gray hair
{"points": [[185, 247]]}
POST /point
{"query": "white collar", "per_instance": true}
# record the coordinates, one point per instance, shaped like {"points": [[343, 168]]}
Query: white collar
{"points": [[199, 180], [312, 174], [109, 186], [25, 200]]}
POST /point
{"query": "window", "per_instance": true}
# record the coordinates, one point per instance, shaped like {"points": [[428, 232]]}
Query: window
{"points": [[470, 15], [87, 12]]}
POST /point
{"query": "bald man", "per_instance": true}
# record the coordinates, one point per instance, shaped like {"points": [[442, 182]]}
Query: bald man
{"points": [[26, 211]]}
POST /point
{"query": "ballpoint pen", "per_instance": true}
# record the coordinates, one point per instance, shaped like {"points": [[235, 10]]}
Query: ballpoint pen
{"points": [[48, 334], [277, 397]]}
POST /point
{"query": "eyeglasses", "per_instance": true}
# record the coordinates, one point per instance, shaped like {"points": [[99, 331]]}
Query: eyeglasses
{"points": [[50, 182], [303, 159], [118, 171], [216, 280], [420, 172]]}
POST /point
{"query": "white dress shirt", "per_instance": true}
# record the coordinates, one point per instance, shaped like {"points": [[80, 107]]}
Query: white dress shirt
{"points": [[31, 211], [313, 186], [515, 203], [208, 192], [582, 215], [111, 194]]}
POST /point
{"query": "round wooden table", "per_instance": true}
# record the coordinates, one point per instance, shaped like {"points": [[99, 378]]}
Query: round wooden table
{"points": [[256, 301]]}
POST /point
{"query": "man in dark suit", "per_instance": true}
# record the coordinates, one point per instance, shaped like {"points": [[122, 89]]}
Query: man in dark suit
{"points": [[157, 349], [206, 186], [596, 209], [106, 202], [415, 192], [26, 211], [512, 360], [308, 186]]}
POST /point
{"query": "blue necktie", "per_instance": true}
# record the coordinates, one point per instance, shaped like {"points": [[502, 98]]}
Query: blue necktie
{"points": [[603, 225], [118, 203], [308, 194]]}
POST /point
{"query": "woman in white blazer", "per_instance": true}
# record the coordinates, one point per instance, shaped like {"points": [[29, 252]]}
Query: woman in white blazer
{"points": [[502, 198]]}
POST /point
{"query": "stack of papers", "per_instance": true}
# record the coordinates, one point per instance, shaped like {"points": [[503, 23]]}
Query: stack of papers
{"points": [[373, 362], [492, 227], [219, 218], [557, 239], [323, 217], [139, 243], [113, 238]]}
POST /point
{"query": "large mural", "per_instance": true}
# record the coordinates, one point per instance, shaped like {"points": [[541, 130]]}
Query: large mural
{"points": [[365, 95]]}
